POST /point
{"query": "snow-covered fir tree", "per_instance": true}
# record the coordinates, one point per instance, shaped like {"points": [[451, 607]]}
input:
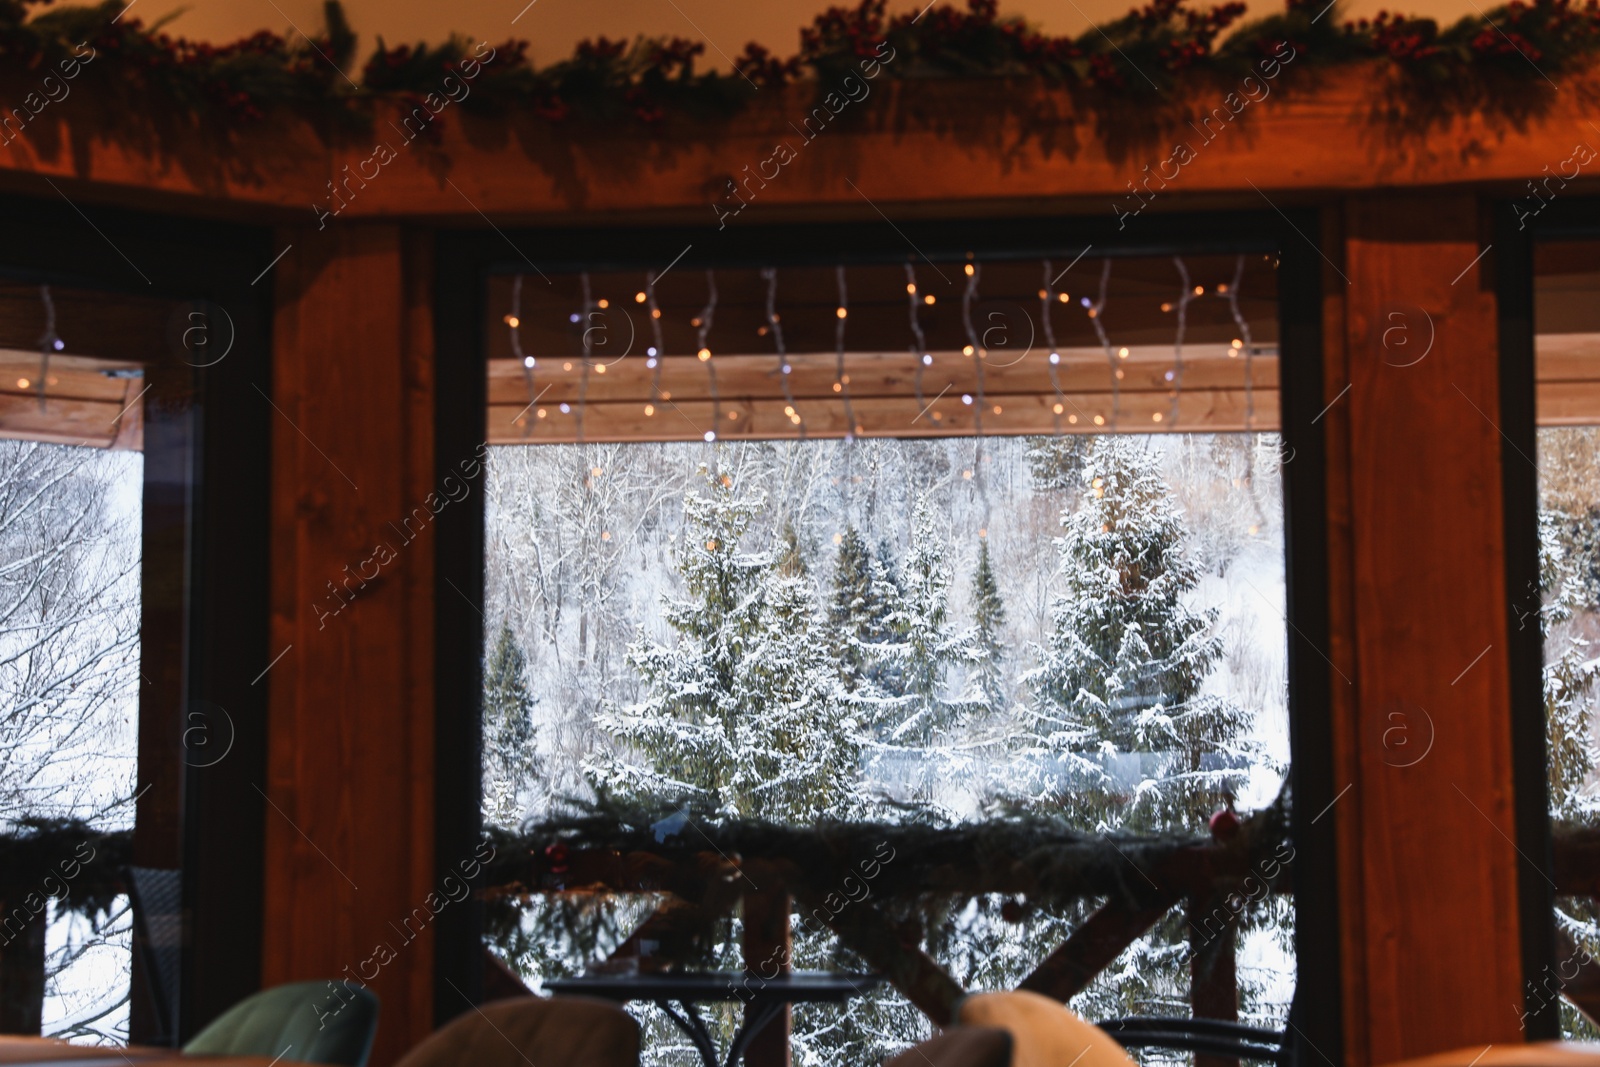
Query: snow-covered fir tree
{"points": [[511, 765], [858, 611], [927, 643], [1118, 686], [984, 651], [744, 707]]}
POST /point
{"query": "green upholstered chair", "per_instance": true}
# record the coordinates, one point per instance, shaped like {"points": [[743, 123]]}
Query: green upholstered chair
{"points": [[311, 1022], [547, 1031]]}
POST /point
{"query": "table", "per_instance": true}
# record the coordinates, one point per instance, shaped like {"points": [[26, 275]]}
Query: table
{"points": [[50, 1052], [765, 998]]}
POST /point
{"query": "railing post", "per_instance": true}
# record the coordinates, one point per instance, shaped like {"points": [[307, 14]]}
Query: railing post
{"points": [[1213, 977], [766, 954], [21, 970]]}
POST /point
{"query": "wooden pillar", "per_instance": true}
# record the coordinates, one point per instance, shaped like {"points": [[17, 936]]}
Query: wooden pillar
{"points": [[1213, 968], [349, 828], [21, 969], [1424, 811], [767, 951]]}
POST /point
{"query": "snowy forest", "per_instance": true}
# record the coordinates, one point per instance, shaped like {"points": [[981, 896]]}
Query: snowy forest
{"points": [[1087, 626]]}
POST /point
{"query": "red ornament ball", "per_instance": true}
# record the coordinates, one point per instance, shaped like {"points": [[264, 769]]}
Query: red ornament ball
{"points": [[1225, 825], [556, 854]]}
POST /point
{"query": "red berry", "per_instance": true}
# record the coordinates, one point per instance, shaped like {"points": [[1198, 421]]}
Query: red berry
{"points": [[1224, 825]]}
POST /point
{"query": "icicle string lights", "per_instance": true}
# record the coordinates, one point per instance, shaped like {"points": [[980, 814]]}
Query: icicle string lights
{"points": [[514, 325], [588, 351], [1053, 357], [1096, 316], [49, 342], [1246, 342], [1185, 294], [784, 369], [919, 347], [704, 353], [974, 350], [841, 382], [658, 351]]}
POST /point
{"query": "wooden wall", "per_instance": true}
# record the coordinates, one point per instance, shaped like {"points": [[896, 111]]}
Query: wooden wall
{"points": [[349, 827]]}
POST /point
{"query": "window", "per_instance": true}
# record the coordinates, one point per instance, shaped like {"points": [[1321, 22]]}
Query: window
{"points": [[950, 537]]}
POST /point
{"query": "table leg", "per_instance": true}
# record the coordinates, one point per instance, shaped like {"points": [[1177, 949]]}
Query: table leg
{"points": [[694, 1028], [757, 1016]]}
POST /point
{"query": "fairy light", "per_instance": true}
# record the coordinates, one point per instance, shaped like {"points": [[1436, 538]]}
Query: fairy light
{"points": [[968, 298], [1244, 340], [1096, 309], [919, 342], [513, 326], [1050, 342], [841, 383], [1185, 294], [588, 352], [775, 328], [657, 350], [703, 323]]}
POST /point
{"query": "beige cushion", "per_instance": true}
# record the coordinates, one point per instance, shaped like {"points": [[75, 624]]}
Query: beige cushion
{"points": [[546, 1031], [1044, 1033], [959, 1046]]}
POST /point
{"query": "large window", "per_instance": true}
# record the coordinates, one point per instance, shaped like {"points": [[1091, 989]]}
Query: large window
{"points": [[936, 540], [71, 491]]}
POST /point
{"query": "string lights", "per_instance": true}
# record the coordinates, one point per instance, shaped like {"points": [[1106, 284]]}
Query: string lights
{"points": [[588, 350], [1096, 316], [1053, 359], [775, 327], [919, 348], [1244, 341], [841, 383], [657, 352], [976, 352], [1186, 293], [703, 323], [513, 322], [49, 342]]}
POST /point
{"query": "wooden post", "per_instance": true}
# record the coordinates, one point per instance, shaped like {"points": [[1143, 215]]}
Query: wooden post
{"points": [[1213, 976], [350, 889], [21, 971], [766, 951], [1427, 861]]}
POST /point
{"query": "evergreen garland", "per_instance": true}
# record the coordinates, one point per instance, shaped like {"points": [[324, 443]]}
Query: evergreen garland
{"points": [[1146, 56]]}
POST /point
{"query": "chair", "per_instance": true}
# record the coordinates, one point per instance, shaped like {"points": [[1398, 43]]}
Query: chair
{"points": [[959, 1046], [548, 1031], [311, 1022], [1044, 1033], [1214, 1037]]}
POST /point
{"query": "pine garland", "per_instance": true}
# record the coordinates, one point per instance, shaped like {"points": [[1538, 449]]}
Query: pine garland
{"points": [[1151, 55], [79, 866], [634, 848]]}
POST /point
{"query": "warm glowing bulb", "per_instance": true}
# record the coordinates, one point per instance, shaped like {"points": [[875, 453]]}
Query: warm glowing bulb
{"points": [[910, 288], [649, 409], [638, 298], [997, 409], [967, 475], [600, 368], [704, 354], [1166, 306], [969, 270], [1122, 353], [1156, 417], [1072, 419], [838, 388], [655, 313], [1099, 420], [1199, 290], [595, 472], [966, 350], [542, 413], [841, 312], [1044, 294], [605, 535], [513, 322], [1237, 343], [566, 366], [1059, 409], [22, 383], [1064, 297], [604, 303], [733, 414], [928, 299]]}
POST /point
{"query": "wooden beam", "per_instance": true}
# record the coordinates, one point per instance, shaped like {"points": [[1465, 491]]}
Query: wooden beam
{"points": [[1069, 969], [1427, 842], [931, 144], [349, 830]]}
